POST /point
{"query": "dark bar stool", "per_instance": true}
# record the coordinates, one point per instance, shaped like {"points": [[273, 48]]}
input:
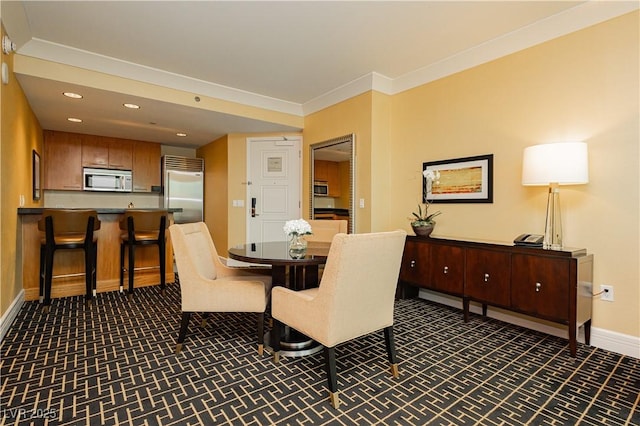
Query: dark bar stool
{"points": [[68, 229], [140, 228]]}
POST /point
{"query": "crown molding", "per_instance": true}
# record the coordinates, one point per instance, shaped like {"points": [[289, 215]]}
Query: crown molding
{"points": [[577, 18], [66, 55]]}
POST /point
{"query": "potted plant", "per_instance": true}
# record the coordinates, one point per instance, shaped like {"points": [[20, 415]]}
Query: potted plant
{"points": [[422, 222]]}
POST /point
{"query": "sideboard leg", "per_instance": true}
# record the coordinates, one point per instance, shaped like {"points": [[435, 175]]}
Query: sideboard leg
{"points": [[465, 308], [572, 339], [587, 332]]}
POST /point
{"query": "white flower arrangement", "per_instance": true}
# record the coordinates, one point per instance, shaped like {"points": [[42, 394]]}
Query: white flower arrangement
{"points": [[422, 217], [297, 227]]}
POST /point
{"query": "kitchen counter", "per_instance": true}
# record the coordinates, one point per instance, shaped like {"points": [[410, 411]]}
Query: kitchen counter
{"points": [[338, 212], [38, 210], [68, 269]]}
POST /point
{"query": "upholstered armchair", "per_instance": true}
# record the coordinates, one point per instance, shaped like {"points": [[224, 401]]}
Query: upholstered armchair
{"points": [[355, 297], [208, 285], [324, 230]]}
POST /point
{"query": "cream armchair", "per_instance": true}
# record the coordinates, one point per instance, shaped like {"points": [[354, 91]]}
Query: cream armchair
{"points": [[355, 297], [324, 230], [207, 285]]}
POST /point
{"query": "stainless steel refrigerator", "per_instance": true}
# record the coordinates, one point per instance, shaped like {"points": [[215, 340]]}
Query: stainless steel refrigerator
{"points": [[183, 187]]}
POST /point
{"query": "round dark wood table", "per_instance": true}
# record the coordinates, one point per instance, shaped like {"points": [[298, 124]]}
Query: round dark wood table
{"points": [[301, 273]]}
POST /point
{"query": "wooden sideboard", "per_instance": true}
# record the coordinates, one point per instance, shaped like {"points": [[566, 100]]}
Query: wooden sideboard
{"points": [[554, 285]]}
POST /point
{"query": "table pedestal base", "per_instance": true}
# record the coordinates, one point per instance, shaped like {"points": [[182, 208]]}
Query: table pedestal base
{"points": [[294, 344]]}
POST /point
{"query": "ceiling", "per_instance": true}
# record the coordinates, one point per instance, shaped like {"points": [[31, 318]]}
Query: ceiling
{"points": [[288, 58]]}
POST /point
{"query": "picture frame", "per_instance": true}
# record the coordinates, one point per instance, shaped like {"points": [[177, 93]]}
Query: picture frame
{"points": [[461, 180], [36, 175]]}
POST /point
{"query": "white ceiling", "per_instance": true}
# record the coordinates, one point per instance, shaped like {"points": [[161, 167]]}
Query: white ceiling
{"points": [[294, 57]]}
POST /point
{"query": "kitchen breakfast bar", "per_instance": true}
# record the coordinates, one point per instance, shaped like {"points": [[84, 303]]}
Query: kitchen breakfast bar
{"points": [[68, 269]]}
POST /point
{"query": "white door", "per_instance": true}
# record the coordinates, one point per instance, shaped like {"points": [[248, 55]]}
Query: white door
{"points": [[274, 171]]}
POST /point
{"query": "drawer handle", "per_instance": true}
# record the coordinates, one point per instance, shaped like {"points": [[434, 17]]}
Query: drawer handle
{"points": [[486, 278], [446, 270], [412, 264], [538, 287]]}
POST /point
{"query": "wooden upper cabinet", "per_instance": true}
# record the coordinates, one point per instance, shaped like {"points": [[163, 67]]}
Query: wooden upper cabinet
{"points": [[146, 166], [65, 155], [95, 153], [62, 161], [106, 153], [120, 153], [328, 171]]}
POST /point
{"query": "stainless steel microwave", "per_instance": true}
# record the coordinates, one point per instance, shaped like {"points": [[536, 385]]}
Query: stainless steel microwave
{"points": [[320, 189], [106, 180]]}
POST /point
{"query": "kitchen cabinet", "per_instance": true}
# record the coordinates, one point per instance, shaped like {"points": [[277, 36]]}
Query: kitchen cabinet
{"points": [[62, 161], [554, 285], [120, 153], [146, 166], [106, 152], [65, 155], [328, 171]]}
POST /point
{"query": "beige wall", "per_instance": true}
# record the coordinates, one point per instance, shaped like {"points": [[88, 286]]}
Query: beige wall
{"points": [[227, 157], [350, 116], [583, 86], [216, 183], [20, 134]]}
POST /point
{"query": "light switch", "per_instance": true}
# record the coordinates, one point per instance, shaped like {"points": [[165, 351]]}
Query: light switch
{"points": [[362, 203]]}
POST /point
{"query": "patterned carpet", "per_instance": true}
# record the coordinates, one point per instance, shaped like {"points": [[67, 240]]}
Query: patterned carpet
{"points": [[114, 364]]}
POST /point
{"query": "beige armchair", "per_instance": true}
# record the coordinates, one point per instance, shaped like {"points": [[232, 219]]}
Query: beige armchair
{"points": [[207, 285], [355, 297], [324, 230]]}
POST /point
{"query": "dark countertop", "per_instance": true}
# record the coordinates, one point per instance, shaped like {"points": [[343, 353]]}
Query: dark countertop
{"points": [[38, 210], [339, 212]]}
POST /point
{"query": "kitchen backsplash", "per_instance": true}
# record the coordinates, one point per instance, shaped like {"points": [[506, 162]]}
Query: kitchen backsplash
{"points": [[81, 199], [324, 202]]}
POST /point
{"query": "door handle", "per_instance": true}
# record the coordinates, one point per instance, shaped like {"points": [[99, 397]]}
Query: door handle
{"points": [[253, 207]]}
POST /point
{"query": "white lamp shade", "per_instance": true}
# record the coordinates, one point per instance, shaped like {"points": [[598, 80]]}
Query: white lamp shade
{"points": [[563, 163]]}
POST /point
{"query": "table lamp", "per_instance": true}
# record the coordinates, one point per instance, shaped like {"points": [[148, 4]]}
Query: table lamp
{"points": [[555, 164]]}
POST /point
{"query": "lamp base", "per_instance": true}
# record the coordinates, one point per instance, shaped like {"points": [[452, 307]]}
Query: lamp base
{"points": [[553, 225]]}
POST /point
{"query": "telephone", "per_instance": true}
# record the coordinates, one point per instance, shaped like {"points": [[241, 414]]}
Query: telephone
{"points": [[531, 240]]}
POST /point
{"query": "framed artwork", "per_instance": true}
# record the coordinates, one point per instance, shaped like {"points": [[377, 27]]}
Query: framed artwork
{"points": [[461, 180], [36, 175]]}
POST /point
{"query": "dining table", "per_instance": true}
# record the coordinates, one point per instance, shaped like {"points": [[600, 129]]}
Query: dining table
{"points": [[294, 273]]}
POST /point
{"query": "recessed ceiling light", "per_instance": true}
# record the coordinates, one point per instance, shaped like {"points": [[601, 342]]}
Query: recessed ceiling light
{"points": [[131, 106], [75, 120], [182, 135], [72, 95]]}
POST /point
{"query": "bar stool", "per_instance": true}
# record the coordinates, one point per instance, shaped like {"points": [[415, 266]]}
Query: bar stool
{"points": [[68, 229], [141, 228]]}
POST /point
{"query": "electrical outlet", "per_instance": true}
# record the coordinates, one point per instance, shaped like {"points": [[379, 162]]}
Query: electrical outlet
{"points": [[607, 292]]}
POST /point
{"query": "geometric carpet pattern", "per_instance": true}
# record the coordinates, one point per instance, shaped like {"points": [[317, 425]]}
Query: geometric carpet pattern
{"points": [[114, 364]]}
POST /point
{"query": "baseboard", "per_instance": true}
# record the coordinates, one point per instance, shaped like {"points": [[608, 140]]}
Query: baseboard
{"points": [[600, 338], [10, 315], [615, 342]]}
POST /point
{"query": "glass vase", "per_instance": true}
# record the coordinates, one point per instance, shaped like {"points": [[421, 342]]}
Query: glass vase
{"points": [[297, 246]]}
